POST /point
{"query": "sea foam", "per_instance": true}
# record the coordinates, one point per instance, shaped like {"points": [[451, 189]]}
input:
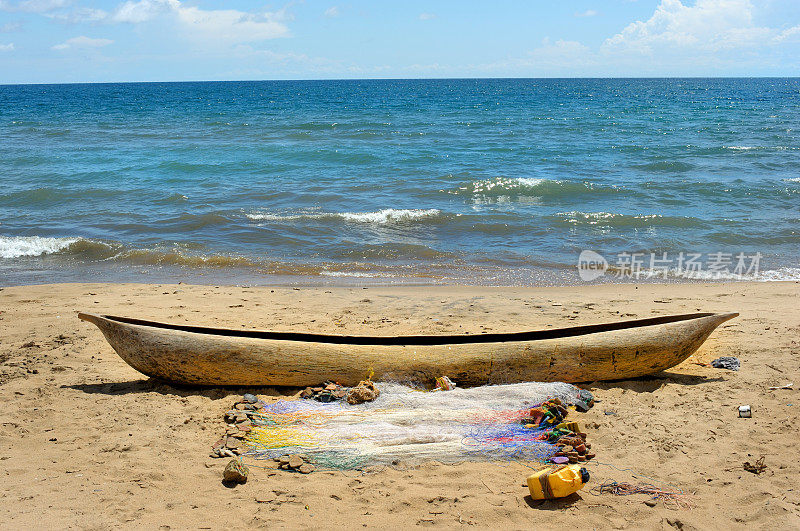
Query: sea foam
{"points": [[381, 217], [18, 246]]}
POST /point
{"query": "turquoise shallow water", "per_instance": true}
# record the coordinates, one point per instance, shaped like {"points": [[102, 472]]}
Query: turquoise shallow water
{"points": [[488, 181]]}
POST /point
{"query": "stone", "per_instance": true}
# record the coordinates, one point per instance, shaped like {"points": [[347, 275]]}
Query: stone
{"points": [[316, 389], [325, 397], [365, 391], [250, 398], [240, 406], [235, 472], [284, 459], [581, 406], [295, 461], [232, 443], [306, 393], [726, 362], [651, 503], [331, 387], [306, 468]]}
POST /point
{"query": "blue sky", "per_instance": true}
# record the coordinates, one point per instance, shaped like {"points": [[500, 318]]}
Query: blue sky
{"points": [[51, 41]]}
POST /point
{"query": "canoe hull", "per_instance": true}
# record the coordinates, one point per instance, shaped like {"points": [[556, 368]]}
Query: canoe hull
{"points": [[187, 357]]}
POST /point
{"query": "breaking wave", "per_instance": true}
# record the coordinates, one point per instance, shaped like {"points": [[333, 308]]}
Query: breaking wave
{"points": [[380, 217], [18, 246]]}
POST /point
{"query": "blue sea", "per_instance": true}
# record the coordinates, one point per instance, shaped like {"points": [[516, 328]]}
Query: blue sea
{"points": [[490, 181]]}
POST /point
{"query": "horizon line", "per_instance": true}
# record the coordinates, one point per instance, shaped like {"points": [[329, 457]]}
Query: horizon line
{"points": [[390, 79]]}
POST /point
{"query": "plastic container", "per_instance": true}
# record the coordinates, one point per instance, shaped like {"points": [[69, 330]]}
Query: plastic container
{"points": [[557, 482]]}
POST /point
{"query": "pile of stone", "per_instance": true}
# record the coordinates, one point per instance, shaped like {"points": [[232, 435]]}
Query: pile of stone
{"points": [[296, 463], [328, 392], [574, 448], [240, 420]]}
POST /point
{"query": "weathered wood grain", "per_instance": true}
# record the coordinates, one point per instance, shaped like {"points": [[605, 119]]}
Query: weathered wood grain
{"points": [[207, 356]]}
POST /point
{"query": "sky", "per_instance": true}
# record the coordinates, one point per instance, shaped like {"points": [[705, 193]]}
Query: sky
{"points": [[60, 41]]}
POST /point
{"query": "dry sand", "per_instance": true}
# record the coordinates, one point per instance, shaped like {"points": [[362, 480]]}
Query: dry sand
{"points": [[88, 442]]}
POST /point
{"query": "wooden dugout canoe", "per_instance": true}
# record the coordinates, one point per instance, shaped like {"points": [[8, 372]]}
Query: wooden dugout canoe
{"points": [[218, 356]]}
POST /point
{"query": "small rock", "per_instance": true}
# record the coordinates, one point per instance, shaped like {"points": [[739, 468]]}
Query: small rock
{"points": [[306, 468], [651, 503], [240, 406], [331, 387], [726, 362], [295, 462], [284, 459], [365, 391], [250, 398], [235, 472]]}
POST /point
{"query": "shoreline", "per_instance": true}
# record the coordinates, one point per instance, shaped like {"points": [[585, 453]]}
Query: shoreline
{"points": [[126, 451]]}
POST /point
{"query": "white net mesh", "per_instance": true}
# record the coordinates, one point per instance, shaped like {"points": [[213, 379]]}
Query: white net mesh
{"points": [[407, 426]]}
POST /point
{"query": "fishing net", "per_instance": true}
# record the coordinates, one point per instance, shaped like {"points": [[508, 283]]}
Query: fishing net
{"points": [[408, 426]]}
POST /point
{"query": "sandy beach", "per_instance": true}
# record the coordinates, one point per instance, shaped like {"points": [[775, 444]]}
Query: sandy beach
{"points": [[88, 442]]}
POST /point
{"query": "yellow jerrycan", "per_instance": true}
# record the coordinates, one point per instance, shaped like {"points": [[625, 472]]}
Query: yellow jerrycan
{"points": [[557, 481]]}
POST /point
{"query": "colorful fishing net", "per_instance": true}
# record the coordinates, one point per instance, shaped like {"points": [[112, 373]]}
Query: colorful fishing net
{"points": [[406, 426]]}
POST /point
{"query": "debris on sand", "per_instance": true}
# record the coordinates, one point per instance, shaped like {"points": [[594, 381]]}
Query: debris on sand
{"points": [[235, 472], [297, 463], [726, 362], [756, 468], [365, 391], [327, 392]]}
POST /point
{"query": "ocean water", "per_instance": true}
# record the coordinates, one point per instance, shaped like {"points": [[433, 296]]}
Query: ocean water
{"points": [[496, 181]]}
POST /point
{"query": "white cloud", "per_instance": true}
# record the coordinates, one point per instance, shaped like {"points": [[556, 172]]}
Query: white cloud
{"points": [[788, 34], [10, 27], [221, 26], [708, 25], [332, 12], [6, 47], [427, 16], [34, 6], [587, 13], [143, 10], [82, 42], [231, 26], [77, 15]]}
